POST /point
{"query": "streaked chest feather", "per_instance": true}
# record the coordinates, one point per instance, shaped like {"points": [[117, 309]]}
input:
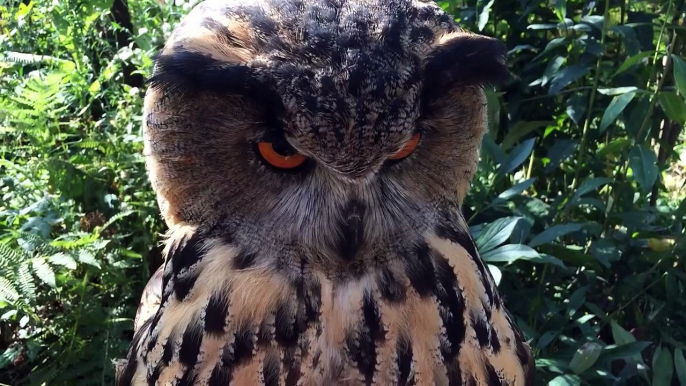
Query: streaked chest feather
{"points": [[428, 317]]}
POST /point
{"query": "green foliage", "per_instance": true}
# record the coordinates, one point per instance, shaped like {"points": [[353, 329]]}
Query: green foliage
{"points": [[578, 206]]}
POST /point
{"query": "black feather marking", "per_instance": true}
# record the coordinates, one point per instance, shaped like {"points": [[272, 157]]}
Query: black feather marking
{"points": [[189, 377], [187, 253], [463, 238], [451, 307], [244, 260], [351, 229], [419, 269], [216, 313], [190, 344], [481, 330], [221, 375], [454, 373], [492, 377], [184, 284], [361, 344], [287, 331], [270, 369], [243, 347], [404, 349], [391, 290]]}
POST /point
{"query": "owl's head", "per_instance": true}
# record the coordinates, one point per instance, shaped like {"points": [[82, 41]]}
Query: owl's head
{"points": [[329, 125]]}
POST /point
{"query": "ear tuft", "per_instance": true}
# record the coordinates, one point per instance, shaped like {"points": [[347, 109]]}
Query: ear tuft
{"points": [[465, 59]]}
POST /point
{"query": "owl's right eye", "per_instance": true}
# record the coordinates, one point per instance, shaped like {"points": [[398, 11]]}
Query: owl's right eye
{"points": [[280, 154]]}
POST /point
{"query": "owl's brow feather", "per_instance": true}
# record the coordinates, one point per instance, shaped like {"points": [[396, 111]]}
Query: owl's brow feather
{"points": [[188, 72]]}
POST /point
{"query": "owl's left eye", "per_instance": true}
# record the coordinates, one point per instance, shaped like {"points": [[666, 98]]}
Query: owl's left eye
{"points": [[407, 149], [280, 154]]}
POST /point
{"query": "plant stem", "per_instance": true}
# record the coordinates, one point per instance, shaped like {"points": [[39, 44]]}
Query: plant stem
{"points": [[589, 114]]}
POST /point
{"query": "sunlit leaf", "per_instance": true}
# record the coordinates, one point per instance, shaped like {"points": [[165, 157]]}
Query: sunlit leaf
{"points": [[516, 189], [679, 70], [496, 233], [585, 357], [673, 106], [565, 380], [565, 77], [510, 253], [495, 272], [616, 106], [680, 365], [643, 162], [518, 155], [663, 367], [554, 232]]}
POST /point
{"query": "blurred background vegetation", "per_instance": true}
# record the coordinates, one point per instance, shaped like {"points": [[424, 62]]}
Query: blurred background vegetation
{"points": [[578, 207]]}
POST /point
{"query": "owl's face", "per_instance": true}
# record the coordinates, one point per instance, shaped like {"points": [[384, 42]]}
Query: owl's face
{"points": [[317, 127]]}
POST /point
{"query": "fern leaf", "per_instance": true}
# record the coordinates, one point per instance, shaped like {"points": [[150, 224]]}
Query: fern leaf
{"points": [[117, 217], [44, 272], [86, 257], [25, 282], [8, 257], [63, 260], [8, 293]]}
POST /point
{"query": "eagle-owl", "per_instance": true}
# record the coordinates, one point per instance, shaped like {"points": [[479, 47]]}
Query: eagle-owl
{"points": [[310, 158]]}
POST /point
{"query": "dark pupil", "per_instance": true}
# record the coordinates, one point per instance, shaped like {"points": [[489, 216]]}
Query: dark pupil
{"points": [[283, 148]]}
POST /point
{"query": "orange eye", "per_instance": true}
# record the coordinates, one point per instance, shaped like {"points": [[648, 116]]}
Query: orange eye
{"points": [[283, 157], [408, 149]]}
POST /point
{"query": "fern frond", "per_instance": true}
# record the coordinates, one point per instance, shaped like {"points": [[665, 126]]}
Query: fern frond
{"points": [[86, 257], [25, 281], [26, 59], [117, 217], [63, 260], [44, 272], [7, 291]]}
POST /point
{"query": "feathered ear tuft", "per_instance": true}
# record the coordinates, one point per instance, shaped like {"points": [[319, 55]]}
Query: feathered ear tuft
{"points": [[464, 59]]}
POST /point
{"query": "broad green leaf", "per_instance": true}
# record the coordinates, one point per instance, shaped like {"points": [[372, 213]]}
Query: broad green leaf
{"points": [[628, 350], [632, 61], [680, 365], [519, 130], [589, 185], [614, 148], [585, 357], [643, 163], [510, 253], [565, 77], [679, 69], [516, 189], [561, 9], [620, 335], [565, 380], [614, 109], [547, 259], [518, 155], [552, 233], [663, 368], [559, 152], [617, 90], [545, 339], [576, 107], [495, 272], [673, 106], [495, 233]]}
